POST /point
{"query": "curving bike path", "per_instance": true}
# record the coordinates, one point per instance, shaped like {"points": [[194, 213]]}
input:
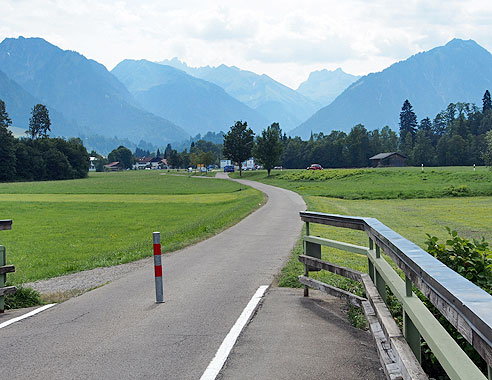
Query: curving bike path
{"points": [[118, 332]]}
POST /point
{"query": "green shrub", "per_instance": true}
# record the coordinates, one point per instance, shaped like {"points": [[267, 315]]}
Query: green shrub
{"points": [[472, 260]]}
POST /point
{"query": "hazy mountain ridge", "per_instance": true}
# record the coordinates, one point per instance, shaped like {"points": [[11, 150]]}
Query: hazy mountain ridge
{"points": [[459, 71], [197, 105], [83, 90], [19, 103], [275, 101], [323, 86]]}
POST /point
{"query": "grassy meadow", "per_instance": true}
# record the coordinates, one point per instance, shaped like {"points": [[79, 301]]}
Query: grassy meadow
{"points": [[381, 183], [410, 202], [61, 227]]}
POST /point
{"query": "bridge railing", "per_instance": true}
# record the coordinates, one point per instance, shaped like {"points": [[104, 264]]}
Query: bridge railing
{"points": [[467, 307], [4, 269]]}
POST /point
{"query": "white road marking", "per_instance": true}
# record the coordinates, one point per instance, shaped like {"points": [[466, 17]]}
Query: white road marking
{"points": [[225, 348], [27, 315]]}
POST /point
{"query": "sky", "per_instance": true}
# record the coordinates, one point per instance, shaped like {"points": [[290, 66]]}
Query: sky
{"points": [[283, 39]]}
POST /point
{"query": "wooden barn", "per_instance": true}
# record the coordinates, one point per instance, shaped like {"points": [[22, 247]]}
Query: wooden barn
{"points": [[388, 159]]}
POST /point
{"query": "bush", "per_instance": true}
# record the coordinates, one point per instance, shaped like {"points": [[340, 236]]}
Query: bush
{"points": [[472, 260], [23, 297]]}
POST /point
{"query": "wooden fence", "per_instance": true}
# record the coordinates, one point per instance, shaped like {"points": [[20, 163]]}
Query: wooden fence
{"points": [[467, 307], [4, 269]]}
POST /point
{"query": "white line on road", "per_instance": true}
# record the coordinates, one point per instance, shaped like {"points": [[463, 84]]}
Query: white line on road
{"points": [[27, 315], [225, 348]]}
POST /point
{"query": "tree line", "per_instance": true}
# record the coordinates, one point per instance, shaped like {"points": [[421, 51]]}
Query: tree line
{"points": [[38, 157], [459, 135]]}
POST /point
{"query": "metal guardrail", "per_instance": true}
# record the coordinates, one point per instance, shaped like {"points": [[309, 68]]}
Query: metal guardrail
{"points": [[467, 307], [4, 269]]}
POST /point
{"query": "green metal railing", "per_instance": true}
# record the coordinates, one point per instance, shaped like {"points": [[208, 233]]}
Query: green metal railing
{"points": [[467, 307], [4, 269]]}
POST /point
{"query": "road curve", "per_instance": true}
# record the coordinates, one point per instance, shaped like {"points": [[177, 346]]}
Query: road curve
{"points": [[118, 332]]}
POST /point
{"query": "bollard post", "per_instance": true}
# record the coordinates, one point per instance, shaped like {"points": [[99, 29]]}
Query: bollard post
{"points": [[159, 295]]}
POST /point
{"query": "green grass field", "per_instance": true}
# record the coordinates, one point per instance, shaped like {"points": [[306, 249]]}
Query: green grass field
{"points": [[388, 183], [61, 227], [399, 197]]}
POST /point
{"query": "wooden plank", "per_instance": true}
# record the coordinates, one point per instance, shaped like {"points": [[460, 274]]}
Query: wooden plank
{"points": [[385, 352], [337, 244], [7, 269], [7, 290], [407, 361], [333, 220], [342, 271], [402, 354], [331, 290], [5, 225], [388, 324]]}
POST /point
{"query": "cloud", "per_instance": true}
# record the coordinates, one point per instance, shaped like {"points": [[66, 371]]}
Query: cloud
{"points": [[283, 39]]}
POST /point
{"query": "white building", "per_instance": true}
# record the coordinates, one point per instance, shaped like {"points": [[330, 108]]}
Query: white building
{"points": [[92, 164], [225, 163]]}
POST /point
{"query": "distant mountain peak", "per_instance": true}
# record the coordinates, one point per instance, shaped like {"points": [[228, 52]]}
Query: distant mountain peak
{"points": [[323, 86], [459, 71], [461, 42]]}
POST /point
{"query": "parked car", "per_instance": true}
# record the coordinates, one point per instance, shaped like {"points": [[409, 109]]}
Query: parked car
{"points": [[229, 169], [314, 167]]}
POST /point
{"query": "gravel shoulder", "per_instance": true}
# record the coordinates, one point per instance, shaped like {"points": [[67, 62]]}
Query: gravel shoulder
{"points": [[78, 283]]}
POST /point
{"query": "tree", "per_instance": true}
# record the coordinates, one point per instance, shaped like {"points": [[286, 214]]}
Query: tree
{"points": [[238, 143], [357, 143], [167, 151], [423, 151], [122, 155], [389, 139], [426, 126], [207, 158], [487, 102], [7, 146], [158, 154], [269, 147], [39, 123], [487, 154], [174, 159], [408, 122]]}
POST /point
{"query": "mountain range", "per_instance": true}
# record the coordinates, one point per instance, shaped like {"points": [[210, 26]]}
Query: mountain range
{"points": [[275, 101], [459, 71], [195, 104], [151, 104], [83, 90]]}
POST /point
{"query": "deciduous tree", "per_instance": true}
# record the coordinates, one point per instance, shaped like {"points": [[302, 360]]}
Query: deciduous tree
{"points": [[122, 155], [238, 143], [269, 147], [39, 123]]}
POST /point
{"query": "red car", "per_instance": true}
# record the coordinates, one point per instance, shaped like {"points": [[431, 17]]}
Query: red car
{"points": [[315, 167]]}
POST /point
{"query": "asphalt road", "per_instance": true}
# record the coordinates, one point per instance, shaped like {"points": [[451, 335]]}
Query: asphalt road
{"points": [[118, 332]]}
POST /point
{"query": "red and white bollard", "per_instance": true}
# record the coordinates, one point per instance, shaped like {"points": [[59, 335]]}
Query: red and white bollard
{"points": [[159, 294]]}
